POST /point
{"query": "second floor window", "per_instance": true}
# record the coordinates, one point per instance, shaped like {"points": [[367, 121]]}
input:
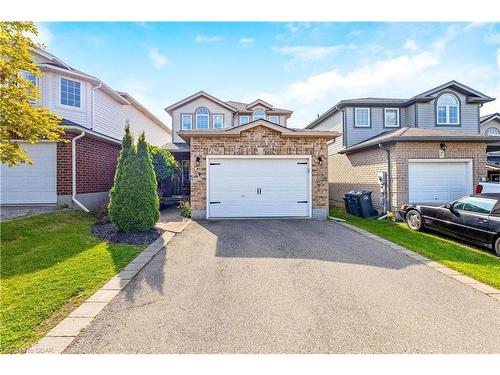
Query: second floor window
{"points": [[274, 119], [448, 110], [391, 117], [244, 120], [202, 118], [218, 121], [186, 122], [492, 131], [362, 117], [258, 114], [70, 93], [34, 81]]}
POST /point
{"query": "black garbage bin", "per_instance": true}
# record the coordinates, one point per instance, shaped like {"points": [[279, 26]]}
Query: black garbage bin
{"points": [[350, 203], [363, 200]]}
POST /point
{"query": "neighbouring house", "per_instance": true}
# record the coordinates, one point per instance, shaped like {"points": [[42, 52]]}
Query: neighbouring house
{"points": [[490, 125], [241, 160], [427, 148], [81, 171]]}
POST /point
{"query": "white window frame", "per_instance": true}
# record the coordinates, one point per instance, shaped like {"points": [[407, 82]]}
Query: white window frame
{"points": [[60, 92], [222, 120], [397, 118], [274, 122], [258, 110], [37, 84], [447, 110], [493, 135], [196, 115], [187, 115], [356, 125], [241, 117]]}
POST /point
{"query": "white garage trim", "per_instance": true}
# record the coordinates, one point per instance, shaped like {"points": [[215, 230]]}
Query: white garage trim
{"points": [[211, 157], [468, 174]]}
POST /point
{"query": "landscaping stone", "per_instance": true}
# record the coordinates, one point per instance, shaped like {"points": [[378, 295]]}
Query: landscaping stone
{"points": [[115, 283], [69, 327], [103, 295], [88, 310]]}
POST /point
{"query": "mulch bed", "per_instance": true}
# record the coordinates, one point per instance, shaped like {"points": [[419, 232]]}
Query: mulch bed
{"points": [[108, 232]]}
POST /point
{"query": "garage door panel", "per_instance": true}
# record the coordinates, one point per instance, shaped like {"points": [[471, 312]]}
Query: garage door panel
{"points": [[258, 187], [438, 182], [31, 183]]}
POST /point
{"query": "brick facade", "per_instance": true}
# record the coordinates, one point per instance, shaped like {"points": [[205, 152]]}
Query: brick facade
{"points": [[96, 163], [259, 140], [358, 170]]}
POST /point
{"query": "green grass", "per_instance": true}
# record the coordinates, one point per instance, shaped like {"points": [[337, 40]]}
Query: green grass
{"points": [[49, 264], [478, 264]]}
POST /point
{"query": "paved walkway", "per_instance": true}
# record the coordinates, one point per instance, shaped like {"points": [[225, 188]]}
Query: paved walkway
{"points": [[290, 286]]}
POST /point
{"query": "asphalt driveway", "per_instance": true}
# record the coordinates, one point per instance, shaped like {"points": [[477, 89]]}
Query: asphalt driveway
{"points": [[290, 286]]}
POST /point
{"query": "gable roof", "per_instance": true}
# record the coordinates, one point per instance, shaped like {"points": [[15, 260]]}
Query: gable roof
{"points": [[487, 118], [237, 130], [409, 134], [473, 96], [246, 108], [144, 110], [197, 95]]}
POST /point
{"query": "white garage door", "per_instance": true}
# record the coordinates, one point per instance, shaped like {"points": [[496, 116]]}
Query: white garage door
{"points": [[257, 187], [439, 181], [35, 183]]}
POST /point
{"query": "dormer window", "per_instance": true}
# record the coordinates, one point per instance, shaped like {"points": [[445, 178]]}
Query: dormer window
{"points": [[448, 110], [202, 118], [492, 131], [259, 114]]}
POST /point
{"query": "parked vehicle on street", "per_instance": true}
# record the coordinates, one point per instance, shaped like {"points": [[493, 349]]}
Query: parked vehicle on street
{"points": [[487, 187], [473, 218]]}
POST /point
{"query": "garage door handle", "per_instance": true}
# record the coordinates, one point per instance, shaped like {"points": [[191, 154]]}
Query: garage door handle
{"points": [[305, 163], [301, 201], [217, 202]]}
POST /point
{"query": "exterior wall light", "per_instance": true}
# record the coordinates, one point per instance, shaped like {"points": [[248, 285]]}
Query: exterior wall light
{"points": [[198, 161], [320, 160], [442, 146]]}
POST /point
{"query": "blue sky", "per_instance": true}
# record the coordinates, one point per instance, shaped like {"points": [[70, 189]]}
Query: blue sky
{"points": [[306, 67]]}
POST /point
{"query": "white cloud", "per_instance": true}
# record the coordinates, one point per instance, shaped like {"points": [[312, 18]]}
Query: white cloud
{"points": [[45, 36], [410, 45], [402, 75], [246, 42], [157, 58], [207, 38], [310, 53]]}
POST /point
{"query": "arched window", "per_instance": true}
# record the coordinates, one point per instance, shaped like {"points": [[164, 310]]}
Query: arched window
{"points": [[258, 114], [492, 131], [202, 118], [448, 110]]}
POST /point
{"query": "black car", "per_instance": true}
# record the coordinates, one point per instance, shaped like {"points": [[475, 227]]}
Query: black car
{"points": [[473, 218]]}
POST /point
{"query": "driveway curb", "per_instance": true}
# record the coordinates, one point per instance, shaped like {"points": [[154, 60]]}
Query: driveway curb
{"points": [[457, 276], [63, 334]]}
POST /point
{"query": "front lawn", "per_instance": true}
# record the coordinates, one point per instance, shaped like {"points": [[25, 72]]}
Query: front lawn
{"points": [[479, 264], [49, 264]]}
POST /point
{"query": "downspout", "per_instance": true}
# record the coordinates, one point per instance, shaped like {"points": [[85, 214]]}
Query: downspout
{"points": [[387, 201], [73, 172]]}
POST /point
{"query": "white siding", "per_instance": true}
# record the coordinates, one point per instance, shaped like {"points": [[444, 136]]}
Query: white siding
{"points": [[333, 123], [110, 117], [191, 107]]}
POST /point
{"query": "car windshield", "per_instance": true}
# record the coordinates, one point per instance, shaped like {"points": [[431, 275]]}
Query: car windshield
{"points": [[475, 204]]}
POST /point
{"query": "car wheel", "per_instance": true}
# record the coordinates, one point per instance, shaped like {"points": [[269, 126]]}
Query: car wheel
{"points": [[414, 220], [496, 246]]}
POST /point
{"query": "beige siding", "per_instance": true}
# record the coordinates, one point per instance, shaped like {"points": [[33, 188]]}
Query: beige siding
{"points": [[490, 124], [191, 107]]}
